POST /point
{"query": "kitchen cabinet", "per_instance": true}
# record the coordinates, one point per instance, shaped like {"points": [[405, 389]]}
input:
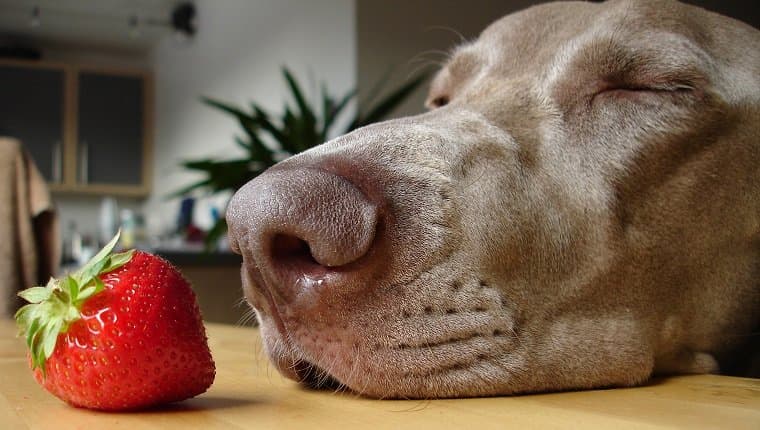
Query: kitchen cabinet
{"points": [[89, 129], [31, 109]]}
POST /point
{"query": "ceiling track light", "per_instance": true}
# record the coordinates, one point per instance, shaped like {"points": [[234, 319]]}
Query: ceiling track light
{"points": [[182, 21]]}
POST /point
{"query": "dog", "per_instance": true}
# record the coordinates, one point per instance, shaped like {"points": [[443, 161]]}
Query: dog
{"points": [[579, 208]]}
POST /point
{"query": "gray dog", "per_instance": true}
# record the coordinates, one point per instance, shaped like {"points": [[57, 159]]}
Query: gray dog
{"points": [[580, 208]]}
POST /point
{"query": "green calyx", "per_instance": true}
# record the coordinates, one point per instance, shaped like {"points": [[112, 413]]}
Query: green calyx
{"points": [[54, 307]]}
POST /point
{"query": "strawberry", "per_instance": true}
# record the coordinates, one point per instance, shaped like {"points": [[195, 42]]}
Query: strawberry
{"points": [[123, 332]]}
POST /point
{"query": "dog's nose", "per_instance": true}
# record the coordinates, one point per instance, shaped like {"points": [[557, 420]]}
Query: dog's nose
{"points": [[299, 225]]}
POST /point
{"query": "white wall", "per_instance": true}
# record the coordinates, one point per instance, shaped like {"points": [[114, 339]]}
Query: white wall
{"points": [[236, 56]]}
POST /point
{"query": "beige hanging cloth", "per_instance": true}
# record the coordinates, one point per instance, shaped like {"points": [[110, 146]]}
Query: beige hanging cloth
{"points": [[29, 239]]}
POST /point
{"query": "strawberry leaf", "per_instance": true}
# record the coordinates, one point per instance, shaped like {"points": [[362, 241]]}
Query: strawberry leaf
{"points": [[99, 286], [23, 315], [118, 260], [35, 294], [50, 336], [89, 291], [32, 332], [92, 272], [72, 286], [98, 260]]}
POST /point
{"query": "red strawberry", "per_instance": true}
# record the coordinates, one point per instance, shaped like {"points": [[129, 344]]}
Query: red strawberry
{"points": [[123, 332]]}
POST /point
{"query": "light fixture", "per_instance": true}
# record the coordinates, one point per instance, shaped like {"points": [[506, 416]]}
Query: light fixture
{"points": [[182, 21]]}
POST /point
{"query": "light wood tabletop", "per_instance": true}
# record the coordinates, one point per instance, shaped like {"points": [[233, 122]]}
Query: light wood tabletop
{"points": [[249, 394]]}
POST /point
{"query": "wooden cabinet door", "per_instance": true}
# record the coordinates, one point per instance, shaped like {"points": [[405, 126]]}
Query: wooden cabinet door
{"points": [[31, 110], [111, 129]]}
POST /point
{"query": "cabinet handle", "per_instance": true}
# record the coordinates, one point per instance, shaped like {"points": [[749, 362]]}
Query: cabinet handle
{"points": [[57, 162], [84, 155]]}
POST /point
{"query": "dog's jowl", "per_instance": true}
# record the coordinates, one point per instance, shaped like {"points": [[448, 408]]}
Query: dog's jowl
{"points": [[579, 208]]}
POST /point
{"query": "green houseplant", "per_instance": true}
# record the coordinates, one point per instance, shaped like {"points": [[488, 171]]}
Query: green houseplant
{"points": [[270, 138]]}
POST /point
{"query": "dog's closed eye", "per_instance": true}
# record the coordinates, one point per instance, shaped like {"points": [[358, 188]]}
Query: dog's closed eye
{"points": [[640, 91]]}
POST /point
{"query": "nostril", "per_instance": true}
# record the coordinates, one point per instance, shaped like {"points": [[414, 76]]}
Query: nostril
{"points": [[285, 246], [294, 255]]}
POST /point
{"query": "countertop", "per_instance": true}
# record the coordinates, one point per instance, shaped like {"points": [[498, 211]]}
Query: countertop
{"points": [[180, 257], [250, 394]]}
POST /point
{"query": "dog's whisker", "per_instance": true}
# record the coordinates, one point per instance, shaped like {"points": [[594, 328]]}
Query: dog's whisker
{"points": [[354, 367], [240, 302], [423, 65], [446, 28], [420, 68], [329, 369], [428, 60], [435, 52], [247, 317], [429, 56], [422, 58]]}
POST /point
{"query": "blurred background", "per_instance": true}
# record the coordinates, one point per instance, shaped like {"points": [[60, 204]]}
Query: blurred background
{"points": [[104, 97]]}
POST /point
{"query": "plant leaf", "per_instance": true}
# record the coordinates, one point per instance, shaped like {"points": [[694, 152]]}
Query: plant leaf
{"points": [[303, 106], [387, 104], [378, 86], [213, 235], [183, 191], [332, 110], [262, 119], [232, 110], [243, 144]]}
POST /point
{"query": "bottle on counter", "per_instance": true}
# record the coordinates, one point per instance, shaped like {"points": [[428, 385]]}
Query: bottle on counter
{"points": [[72, 245], [128, 228], [109, 219]]}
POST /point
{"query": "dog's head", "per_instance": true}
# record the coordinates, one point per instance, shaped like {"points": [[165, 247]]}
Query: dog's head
{"points": [[579, 208]]}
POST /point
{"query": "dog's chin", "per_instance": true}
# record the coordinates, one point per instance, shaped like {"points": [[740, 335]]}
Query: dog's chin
{"points": [[305, 372], [312, 376]]}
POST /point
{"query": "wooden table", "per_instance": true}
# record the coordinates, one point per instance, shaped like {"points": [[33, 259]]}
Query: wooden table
{"points": [[249, 394]]}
